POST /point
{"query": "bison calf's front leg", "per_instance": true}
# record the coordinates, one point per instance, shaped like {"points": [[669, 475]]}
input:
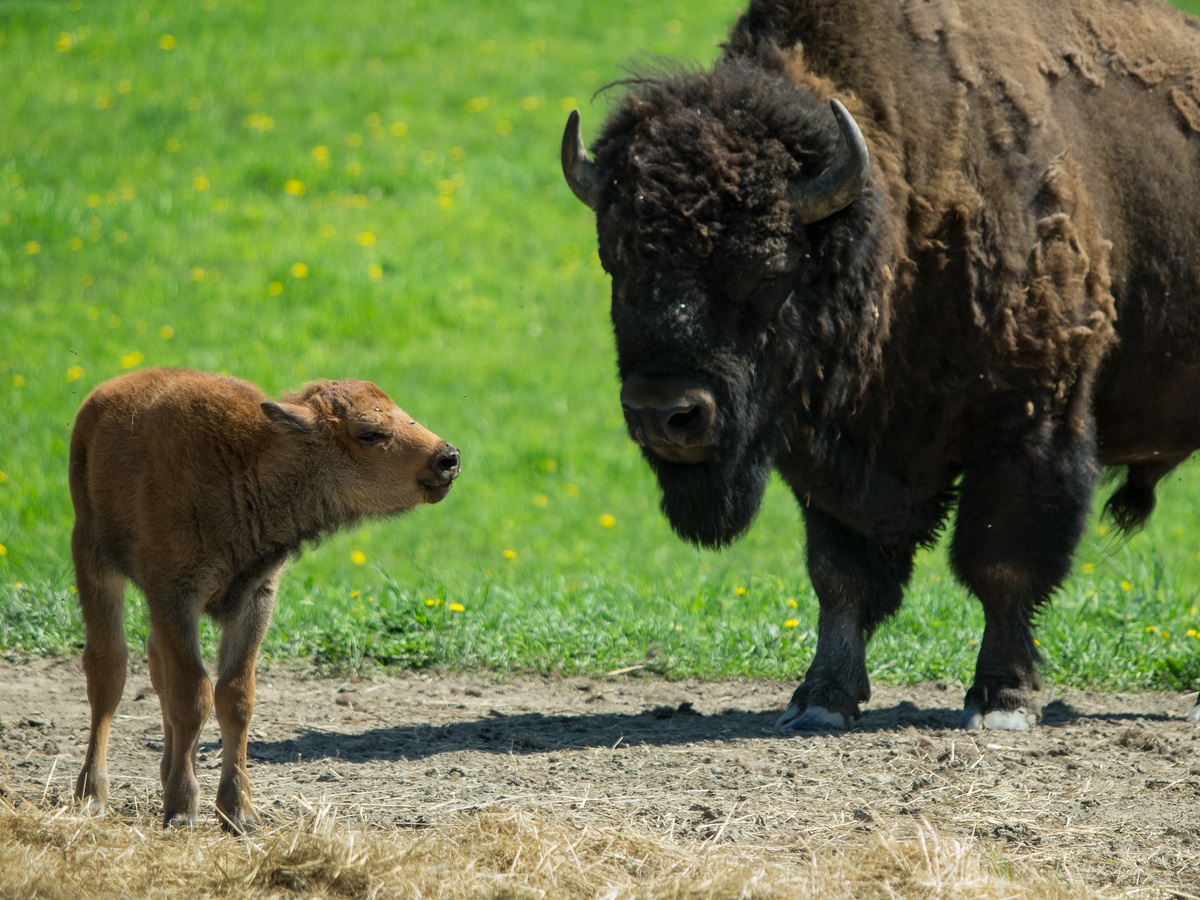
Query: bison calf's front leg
{"points": [[859, 584]]}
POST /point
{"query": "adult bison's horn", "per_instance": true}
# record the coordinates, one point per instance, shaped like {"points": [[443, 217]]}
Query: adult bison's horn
{"points": [[838, 186], [581, 173]]}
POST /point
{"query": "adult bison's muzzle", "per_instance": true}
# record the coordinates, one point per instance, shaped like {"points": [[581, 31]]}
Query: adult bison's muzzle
{"points": [[671, 416]]}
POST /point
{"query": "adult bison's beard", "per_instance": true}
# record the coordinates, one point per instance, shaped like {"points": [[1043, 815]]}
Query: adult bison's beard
{"points": [[713, 503]]}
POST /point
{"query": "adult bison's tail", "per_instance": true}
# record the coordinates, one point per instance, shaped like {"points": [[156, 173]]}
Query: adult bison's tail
{"points": [[1131, 504]]}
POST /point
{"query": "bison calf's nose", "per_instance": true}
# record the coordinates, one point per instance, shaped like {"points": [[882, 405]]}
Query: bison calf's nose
{"points": [[670, 416], [445, 467]]}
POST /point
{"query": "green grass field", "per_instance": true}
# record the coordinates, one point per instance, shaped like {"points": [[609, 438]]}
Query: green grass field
{"points": [[372, 189]]}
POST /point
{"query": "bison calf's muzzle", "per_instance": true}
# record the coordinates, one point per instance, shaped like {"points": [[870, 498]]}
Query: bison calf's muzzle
{"points": [[444, 468], [198, 488], [671, 416]]}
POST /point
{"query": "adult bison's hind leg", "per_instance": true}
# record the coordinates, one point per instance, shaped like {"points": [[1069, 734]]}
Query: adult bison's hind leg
{"points": [[1022, 508], [859, 583]]}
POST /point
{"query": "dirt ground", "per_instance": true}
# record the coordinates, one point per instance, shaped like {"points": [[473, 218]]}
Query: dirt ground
{"points": [[1106, 793]]}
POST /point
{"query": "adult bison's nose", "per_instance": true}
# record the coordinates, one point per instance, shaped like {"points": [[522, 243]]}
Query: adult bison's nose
{"points": [[671, 416]]}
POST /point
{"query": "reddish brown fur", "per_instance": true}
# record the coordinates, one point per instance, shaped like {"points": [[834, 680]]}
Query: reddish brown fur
{"points": [[198, 488]]}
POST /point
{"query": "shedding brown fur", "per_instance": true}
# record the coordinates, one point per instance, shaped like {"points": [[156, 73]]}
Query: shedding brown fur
{"points": [[198, 488]]}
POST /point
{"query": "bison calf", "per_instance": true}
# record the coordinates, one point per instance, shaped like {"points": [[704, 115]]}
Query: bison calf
{"points": [[198, 488]]}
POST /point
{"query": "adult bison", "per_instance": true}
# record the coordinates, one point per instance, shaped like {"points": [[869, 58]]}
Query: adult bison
{"points": [[980, 294]]}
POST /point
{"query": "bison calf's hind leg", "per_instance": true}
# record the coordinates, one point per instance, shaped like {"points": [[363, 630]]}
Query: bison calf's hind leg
{"points": [[242, 634], [185, 694], [101, 597]]}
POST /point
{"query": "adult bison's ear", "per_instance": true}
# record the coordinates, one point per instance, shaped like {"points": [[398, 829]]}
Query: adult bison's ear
{"points": [[839, 185], [581, 173], [290, 417]]}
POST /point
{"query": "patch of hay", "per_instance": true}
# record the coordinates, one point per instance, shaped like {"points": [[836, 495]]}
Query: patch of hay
{"points": [[493, 853]]}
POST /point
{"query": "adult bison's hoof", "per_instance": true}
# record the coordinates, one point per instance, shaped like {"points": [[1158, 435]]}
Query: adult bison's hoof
{"points": [[975, 719], [815, 718], [817, 706]]}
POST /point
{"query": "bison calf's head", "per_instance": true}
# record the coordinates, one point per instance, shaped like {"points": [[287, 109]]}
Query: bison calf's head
{"points": [[384, 461]]}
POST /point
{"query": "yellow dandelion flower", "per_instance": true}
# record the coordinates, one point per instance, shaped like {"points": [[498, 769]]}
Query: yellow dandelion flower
{"points": [[18, 380], [63, 42], [541, 501], [294, 187], [3, 477], [457, 607], [3, 550], [358, 557], [398, 129], [33, 248], [75, 373], [172, 145], [433, 601], [166, 332], [566, 104], [105, 102], [1089, 567], [572, 490], [510, 554], [740, 591], [299, 270], [129, 360], [124, 86], [549, 466], [529, 104], [200, 184], [275, 288], [791, 623], [792, 603], [375, 271], [1193, 633], [75, 243], [167, 42], [477, 104], [366, 239], [198, 273], [320, 155], [1126, 585], [1036, 642], [608, 521], [1103, 529]]}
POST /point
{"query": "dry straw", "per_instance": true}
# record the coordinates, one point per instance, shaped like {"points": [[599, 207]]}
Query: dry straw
{"points": [[524, 853]]}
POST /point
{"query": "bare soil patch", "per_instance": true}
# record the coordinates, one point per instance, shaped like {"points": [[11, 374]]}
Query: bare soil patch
{"points": [[1105, 795]]}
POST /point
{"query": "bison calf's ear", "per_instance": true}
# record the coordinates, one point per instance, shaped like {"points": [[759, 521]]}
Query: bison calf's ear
{"points": [[290, 418]]}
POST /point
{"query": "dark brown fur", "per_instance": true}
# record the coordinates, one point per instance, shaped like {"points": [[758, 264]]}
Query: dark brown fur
{"points": [[198, 489], [1012, 303]]}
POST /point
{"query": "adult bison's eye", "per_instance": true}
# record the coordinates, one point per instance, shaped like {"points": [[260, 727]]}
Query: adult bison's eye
{"points": [[770, 294]]}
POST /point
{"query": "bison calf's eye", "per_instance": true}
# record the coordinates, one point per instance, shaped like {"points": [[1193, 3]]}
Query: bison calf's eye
{"points": [[371, 438]]}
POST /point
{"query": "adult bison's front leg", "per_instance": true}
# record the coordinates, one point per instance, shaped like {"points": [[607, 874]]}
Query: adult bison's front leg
{"points": [[859, 583], [1022, 508]]}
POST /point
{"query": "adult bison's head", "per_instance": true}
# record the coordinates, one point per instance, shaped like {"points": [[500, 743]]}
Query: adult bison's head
{"points": [[721, 204]]}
